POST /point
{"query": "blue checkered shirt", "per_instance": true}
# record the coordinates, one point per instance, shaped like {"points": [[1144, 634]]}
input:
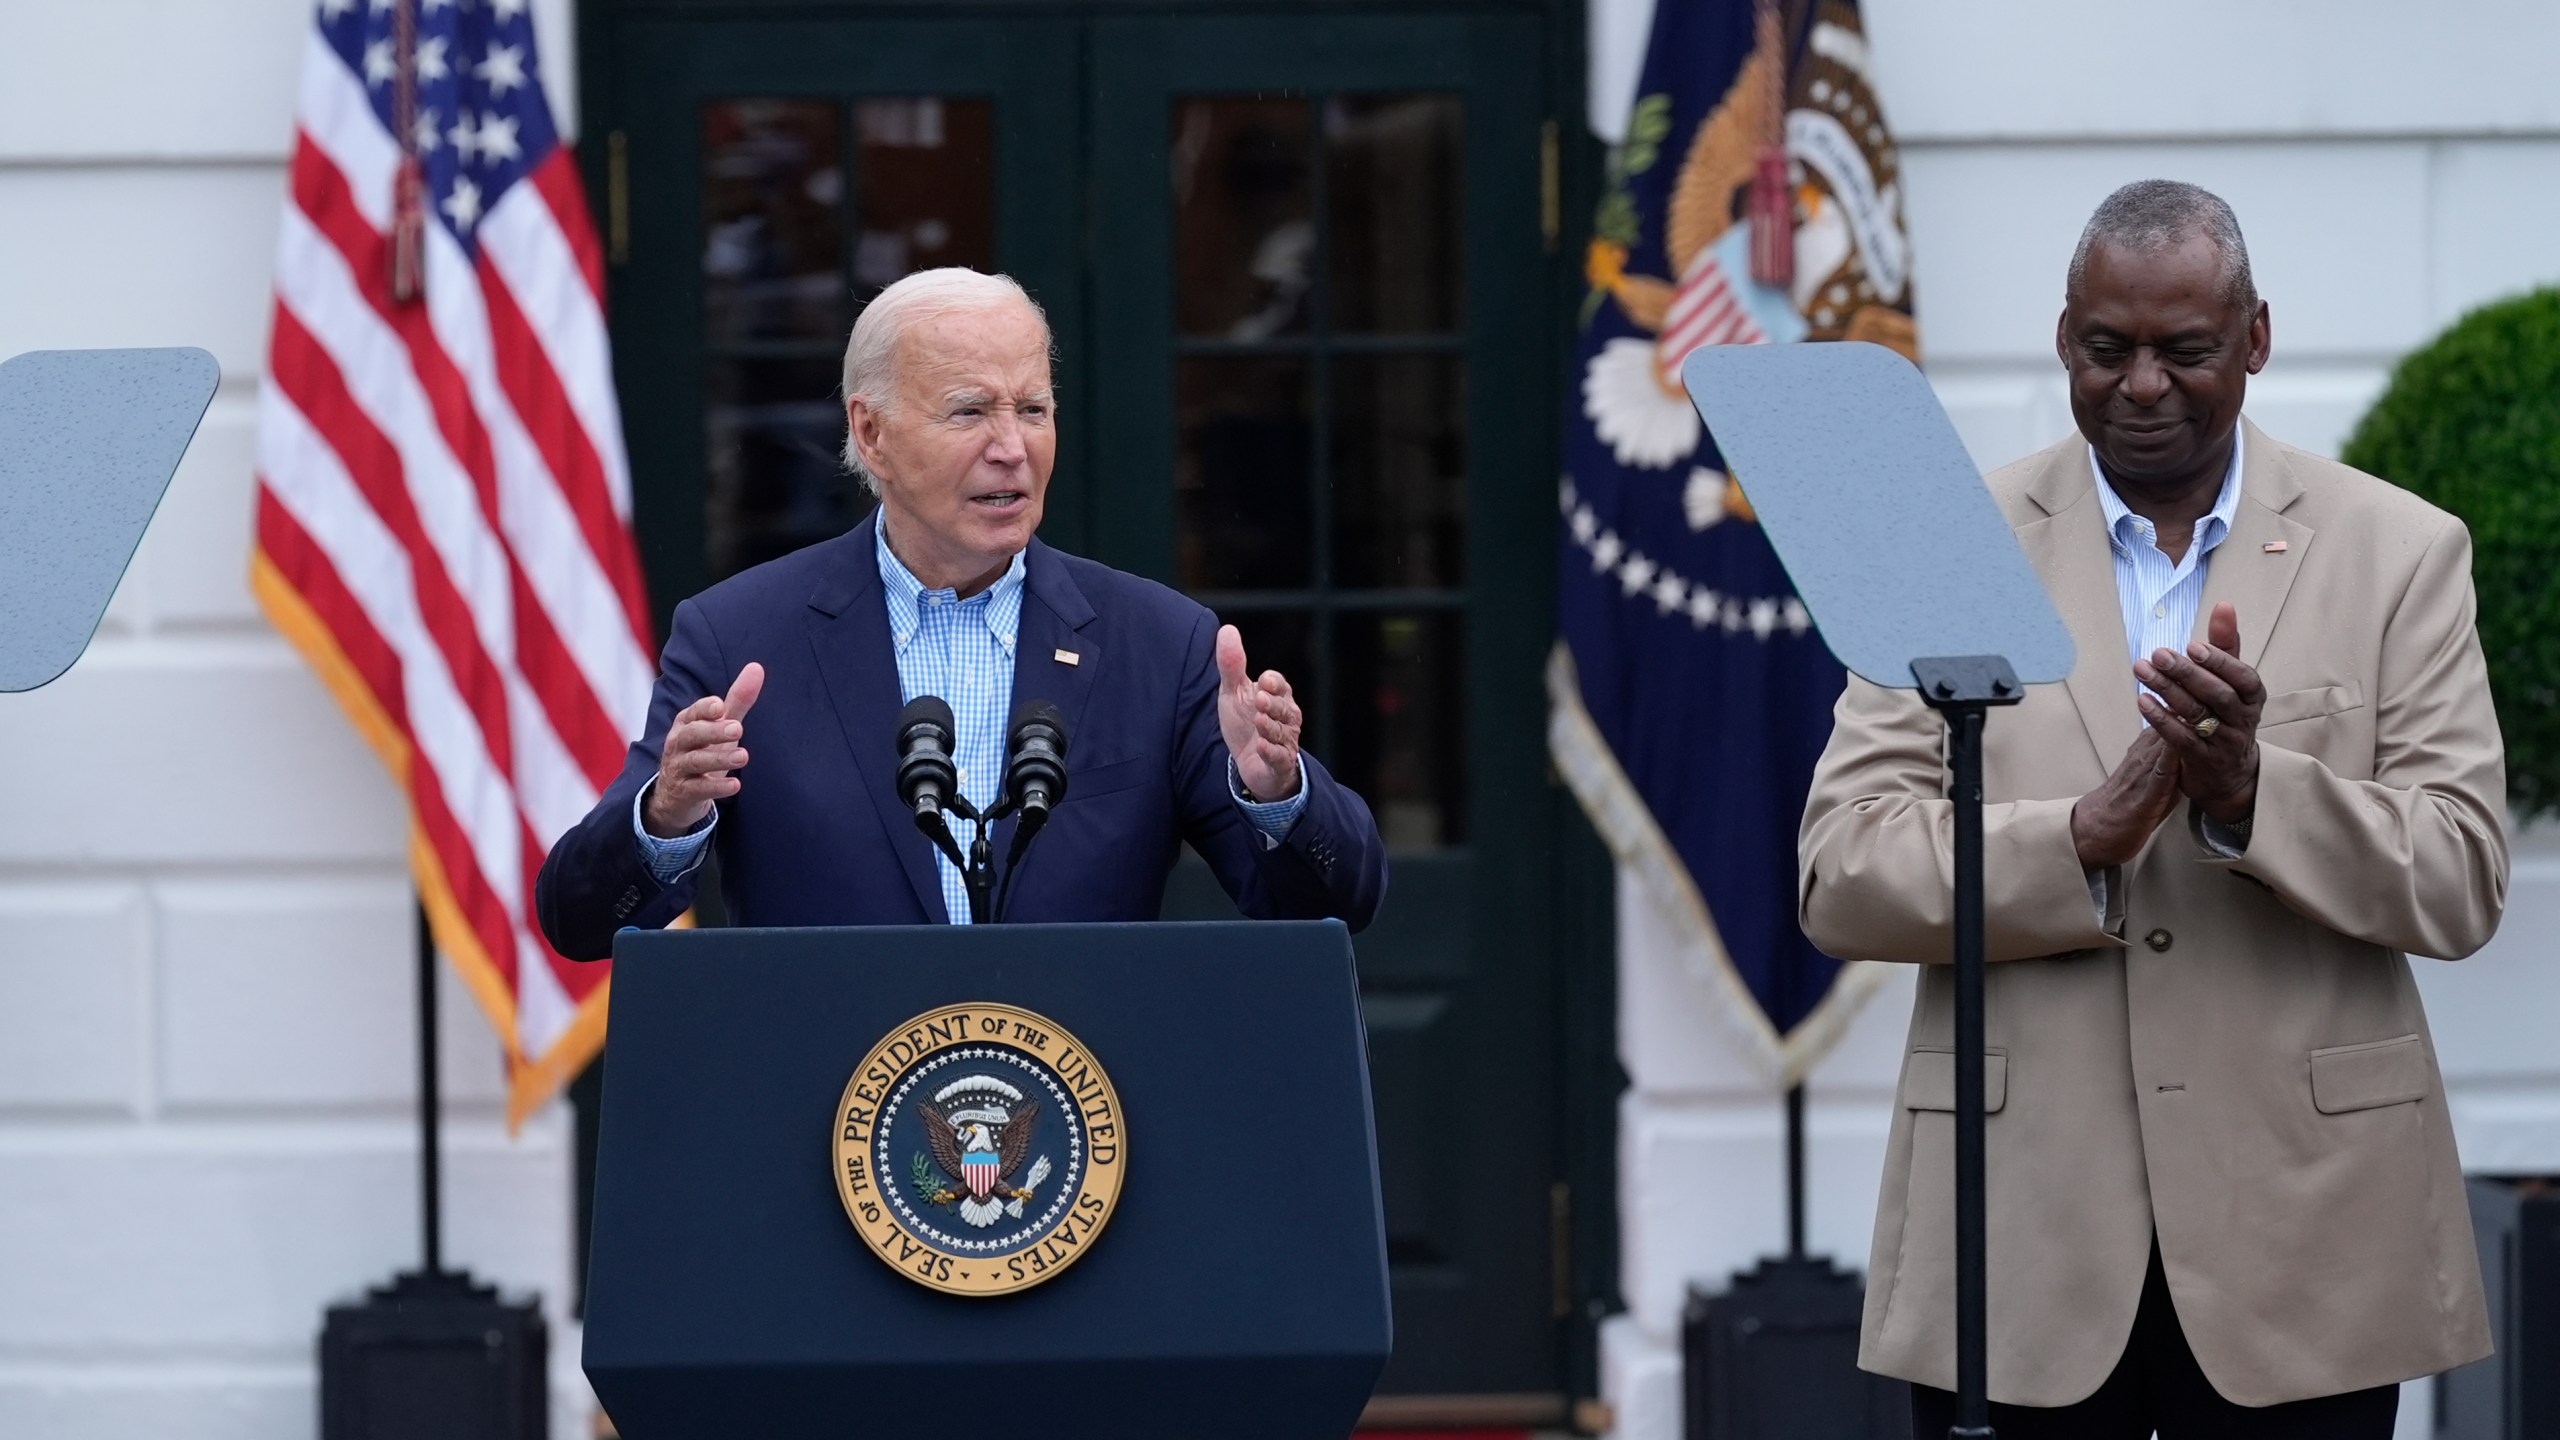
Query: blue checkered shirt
{"points": [[961, 650]]}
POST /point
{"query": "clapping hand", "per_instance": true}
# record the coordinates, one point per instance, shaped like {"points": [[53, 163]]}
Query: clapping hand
{"points": [[2111, 824], [1260, 719], [702, 754], [2206, 708]]}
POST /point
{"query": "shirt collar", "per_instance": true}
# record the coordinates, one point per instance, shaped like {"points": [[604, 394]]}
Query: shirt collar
{"points": [[1000, 604], [2124, 527]]}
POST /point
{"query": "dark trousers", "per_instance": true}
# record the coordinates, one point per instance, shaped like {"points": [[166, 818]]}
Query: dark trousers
{"points": [[2158, 1386]]}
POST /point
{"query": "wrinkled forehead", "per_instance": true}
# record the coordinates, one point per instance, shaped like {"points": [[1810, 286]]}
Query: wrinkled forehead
{"points": [[1003, 347], [2162, 287]]}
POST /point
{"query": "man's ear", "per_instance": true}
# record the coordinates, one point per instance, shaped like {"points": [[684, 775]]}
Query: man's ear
{"points": [[862, 424], [2262, 337]]}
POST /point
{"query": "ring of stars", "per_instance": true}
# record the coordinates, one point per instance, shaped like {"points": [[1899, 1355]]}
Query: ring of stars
{"points": [[1763, 617], [893, 1182]]}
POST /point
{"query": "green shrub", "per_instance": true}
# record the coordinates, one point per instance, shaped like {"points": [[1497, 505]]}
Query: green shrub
{"points": [[2472, 422]]}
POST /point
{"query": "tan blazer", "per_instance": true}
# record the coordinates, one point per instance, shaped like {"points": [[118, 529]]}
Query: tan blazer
{"points": [[2235, 1057]]}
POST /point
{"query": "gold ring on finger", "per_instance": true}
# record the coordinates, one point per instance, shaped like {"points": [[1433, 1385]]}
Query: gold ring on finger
{"points": [[2206, 726]]}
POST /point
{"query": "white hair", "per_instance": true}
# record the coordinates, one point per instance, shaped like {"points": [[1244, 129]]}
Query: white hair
{"points": [[871, 353]]}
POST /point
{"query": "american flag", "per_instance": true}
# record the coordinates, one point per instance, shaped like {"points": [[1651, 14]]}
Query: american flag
{"points": [[1705, 310], [444, 506]]}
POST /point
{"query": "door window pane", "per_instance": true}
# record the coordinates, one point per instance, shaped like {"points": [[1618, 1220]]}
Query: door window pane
{"points": [[1242, 473], [1394, 193], [799, 233], [1284, 639], [773, 188], [925, 170], [1399, 471], [1399, 721], [1244, 217], [778, 481]]}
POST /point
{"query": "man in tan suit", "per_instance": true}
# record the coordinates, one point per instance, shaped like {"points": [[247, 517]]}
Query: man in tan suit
{"points": [[2224, 1199]]}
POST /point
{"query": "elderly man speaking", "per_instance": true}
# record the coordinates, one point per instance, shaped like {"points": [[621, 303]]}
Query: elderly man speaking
{"points": [[803, 664], [2223, 1193]]}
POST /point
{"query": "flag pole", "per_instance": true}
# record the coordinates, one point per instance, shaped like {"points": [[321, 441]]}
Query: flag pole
{"points": [[430, 1106], [434, 1347]]}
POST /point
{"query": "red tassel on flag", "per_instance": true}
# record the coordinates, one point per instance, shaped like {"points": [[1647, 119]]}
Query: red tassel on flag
{"points": [[409, 183], [1772, 209], [1773, 221], [408, 230]]}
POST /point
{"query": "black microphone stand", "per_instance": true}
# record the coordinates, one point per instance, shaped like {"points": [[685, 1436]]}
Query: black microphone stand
{"points": [[1035, 780], [978, 866]]}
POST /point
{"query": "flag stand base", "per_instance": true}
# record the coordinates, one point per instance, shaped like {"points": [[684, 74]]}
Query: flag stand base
{"points": [[435, 1354]]}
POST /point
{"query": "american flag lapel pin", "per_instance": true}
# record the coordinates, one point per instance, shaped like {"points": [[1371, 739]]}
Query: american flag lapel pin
{"points": [[1066, 657], [2274, 547]]}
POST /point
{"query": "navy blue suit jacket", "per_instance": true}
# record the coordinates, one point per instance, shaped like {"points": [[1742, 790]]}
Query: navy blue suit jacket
{"points": [[816, 835]]}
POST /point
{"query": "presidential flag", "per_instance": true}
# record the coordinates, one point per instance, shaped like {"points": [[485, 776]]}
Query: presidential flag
{"points": [[1756, 199], [444, 510]]}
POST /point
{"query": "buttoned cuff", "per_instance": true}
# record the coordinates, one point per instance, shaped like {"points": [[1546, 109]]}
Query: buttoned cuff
{"points": [[1271, 819], [670, 860]]}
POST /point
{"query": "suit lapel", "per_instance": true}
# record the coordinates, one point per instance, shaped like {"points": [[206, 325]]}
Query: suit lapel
{"points": [[2069, 547], [1054, 613], [2243, 570], [848, 625]]}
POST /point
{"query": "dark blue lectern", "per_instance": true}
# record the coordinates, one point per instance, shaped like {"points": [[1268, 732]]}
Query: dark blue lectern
{"points": [[1239, 1289]]}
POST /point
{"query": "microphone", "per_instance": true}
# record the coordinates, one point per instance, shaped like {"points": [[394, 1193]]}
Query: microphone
{"points": [[1036, 763], [1035, 780], [928, 779]]}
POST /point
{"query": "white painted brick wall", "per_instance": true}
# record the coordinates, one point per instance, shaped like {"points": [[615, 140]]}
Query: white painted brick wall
{"points": [[207, 1039], [2392, 167]]}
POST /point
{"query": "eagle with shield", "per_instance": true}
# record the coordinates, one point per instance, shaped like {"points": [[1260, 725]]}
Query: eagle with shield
{"points": [[979, 1129]]}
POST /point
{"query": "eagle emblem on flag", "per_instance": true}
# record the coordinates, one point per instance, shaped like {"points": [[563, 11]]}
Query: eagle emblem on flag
{"points": [[1835, 219], [979, 1129], [1757, 199]]}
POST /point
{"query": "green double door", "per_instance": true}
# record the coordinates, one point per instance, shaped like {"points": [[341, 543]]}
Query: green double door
{"points": [[1301, 277]]}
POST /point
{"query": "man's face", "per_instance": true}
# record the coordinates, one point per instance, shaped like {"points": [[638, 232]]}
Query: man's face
{"points": [[2159, 359], [963, 454]]}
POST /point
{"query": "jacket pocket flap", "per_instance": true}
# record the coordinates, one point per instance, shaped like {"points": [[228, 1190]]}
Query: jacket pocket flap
{"points": [[2359, 1077], [2310, 704], [1929, 1080]]}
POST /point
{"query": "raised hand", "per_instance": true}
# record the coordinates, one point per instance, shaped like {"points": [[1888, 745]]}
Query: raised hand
{"points": [[2111, 824], [1260, 719], [702, 753], [2206, 710]]}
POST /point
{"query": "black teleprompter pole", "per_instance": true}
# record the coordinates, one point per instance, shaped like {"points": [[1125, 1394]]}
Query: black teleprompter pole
{"points": [[1964, 688], [430, 1107], [1795, 1171]]}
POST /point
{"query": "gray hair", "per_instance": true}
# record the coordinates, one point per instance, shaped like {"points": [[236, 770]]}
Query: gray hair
{"points": [[2150, 214], [871, 352]]}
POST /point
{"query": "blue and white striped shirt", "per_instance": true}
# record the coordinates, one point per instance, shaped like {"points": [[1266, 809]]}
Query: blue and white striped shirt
{"points": [[961, 650], [2160, 598]]}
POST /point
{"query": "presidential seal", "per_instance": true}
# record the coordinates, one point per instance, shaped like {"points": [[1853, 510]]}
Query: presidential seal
{"points": [[979, 1149]]}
